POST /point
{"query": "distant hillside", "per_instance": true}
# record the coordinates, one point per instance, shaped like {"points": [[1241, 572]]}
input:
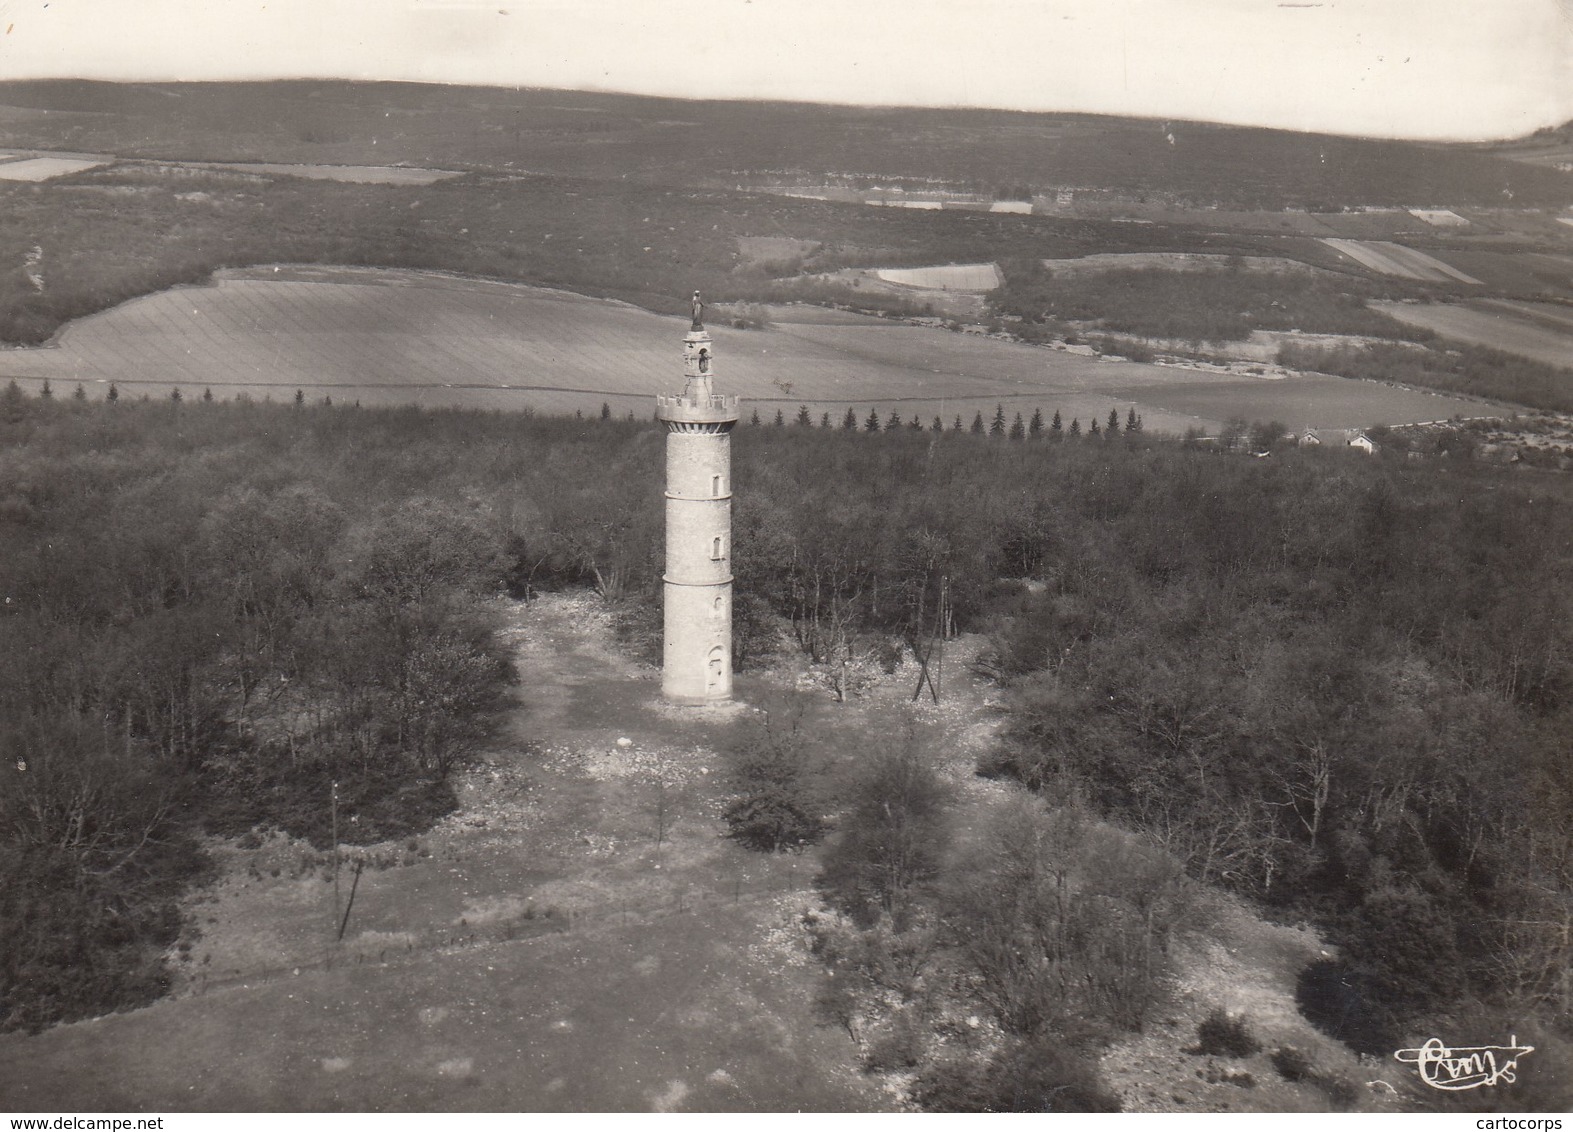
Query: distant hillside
{"points": [[719, 144], [1551, 147]]}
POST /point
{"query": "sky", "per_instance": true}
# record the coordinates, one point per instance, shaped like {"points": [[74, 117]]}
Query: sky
{"points": [[1452, 69]]}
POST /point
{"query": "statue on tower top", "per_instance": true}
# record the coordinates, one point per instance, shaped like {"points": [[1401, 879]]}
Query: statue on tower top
{"points": [[699, 310]]}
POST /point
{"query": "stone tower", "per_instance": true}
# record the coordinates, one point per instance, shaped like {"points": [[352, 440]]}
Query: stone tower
{"points": [[696, 664]]}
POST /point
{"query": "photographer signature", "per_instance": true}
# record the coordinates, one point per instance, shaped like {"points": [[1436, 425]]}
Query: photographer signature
{"points": [[1465, 1067]]}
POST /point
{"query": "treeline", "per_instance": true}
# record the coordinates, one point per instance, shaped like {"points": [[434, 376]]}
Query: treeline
{"points": [[1477, 371], [1213, 305], [1018, 428]]}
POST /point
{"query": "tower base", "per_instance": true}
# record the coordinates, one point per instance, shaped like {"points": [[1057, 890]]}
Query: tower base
{"points": [[696, 663]]}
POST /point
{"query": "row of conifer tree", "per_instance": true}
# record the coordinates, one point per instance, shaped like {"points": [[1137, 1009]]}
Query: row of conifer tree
{"points": [[1017, 429]]}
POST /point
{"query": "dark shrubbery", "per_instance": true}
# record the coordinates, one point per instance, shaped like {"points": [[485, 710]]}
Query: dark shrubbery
{"points": [[1293, 1064], [1036, 1075], [1196, 306], [1221, 1034], [778, 794], [892, 837], [378, 802], [1346, 1004]]}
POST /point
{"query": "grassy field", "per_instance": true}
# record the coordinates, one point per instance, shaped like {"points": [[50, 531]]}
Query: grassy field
{"points": [[353, 174], [946, 277], [1542, 331], [43, 168], [385, 337]]}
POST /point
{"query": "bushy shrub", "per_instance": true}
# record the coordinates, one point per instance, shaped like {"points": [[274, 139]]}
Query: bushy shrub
{"points": [[1292, 1064], [900, 1046], [1343, 1003], [1221, 1034], [1026, 1076], [893, 837], [777, 802]]}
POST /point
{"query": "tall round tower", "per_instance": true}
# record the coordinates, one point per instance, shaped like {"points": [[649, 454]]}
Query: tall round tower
{"points": [[697, 659]]}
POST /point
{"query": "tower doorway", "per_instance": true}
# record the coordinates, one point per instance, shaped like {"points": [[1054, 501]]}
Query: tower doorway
{"points": [[715, 669]]}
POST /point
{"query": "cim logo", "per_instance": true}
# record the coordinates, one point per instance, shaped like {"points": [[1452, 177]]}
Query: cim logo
{"points": [[1456, 1068]]}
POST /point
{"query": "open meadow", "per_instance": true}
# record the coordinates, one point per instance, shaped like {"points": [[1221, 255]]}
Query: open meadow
{"points": [[399, 337], [1543, 331]]}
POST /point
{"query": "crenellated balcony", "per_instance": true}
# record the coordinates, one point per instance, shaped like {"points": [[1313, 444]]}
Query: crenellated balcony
{"points": [[679, 407]]}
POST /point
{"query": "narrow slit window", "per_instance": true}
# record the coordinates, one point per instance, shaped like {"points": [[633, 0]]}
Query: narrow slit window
{"points": [[715, 548], [715, 486]]}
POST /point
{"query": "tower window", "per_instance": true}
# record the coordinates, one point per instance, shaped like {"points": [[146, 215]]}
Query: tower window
{"points": [[715, 486], [715, 548]]}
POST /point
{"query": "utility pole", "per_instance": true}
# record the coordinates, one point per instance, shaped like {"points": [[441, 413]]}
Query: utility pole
{"points": [[334, 808]]}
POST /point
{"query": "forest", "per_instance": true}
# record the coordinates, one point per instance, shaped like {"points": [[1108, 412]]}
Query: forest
{"points": [[1216, 305], [1338, 686]]}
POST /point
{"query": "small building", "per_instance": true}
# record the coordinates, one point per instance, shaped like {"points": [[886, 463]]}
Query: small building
{"points": [[1338, 438]]}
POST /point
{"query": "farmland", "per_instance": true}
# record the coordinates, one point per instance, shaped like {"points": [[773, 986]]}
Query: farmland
{"points": [[596, 195], [1389, 258], [1542, 331], [43, 168], [390, 337], [350, 174], [1172, 261], [977, 277]]}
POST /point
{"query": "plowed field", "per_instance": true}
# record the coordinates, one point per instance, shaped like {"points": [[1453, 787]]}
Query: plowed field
{"points": [[1389, 258], [946, 277]]}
